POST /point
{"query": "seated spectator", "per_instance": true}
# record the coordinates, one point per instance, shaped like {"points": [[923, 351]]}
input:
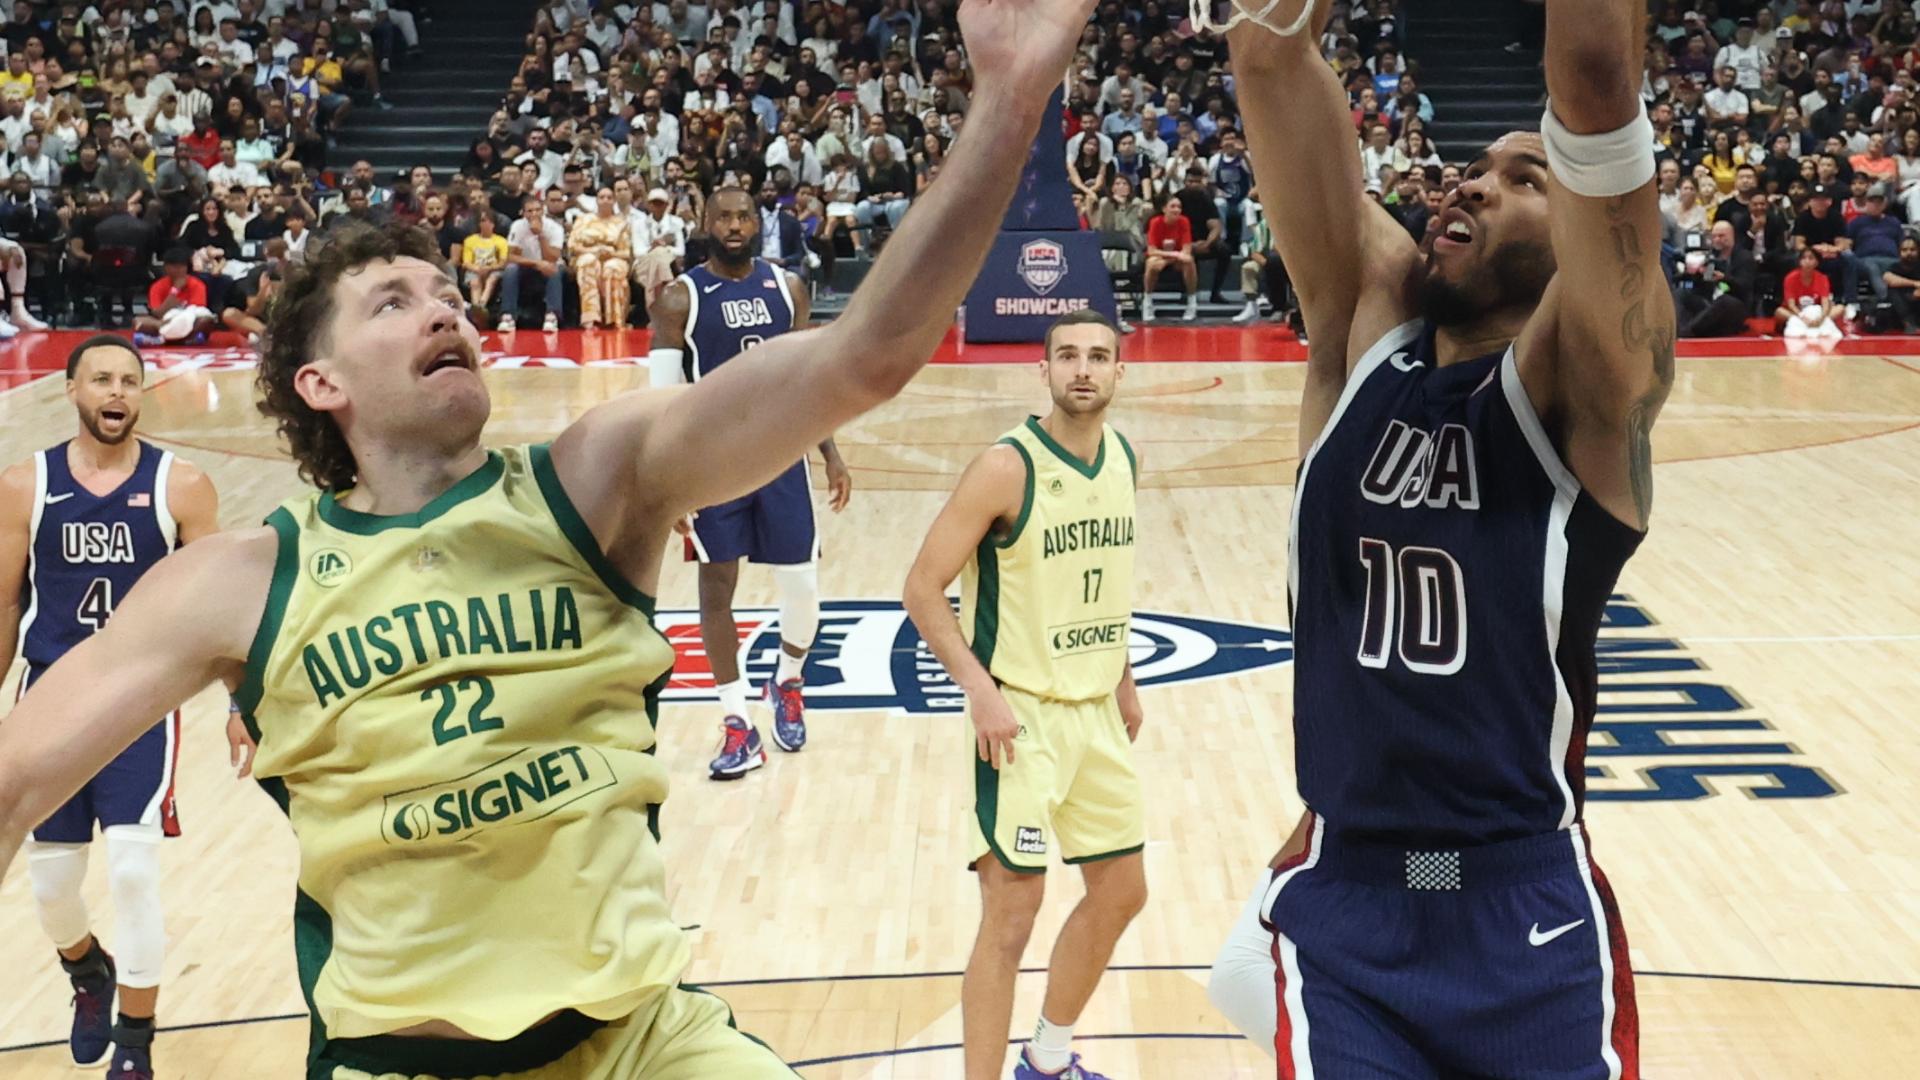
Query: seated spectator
{"points": [[231, 172], [177, 305], [483, 255], [1820, 229], [1903, 286], [1202, 213], [600, 249], [1808, 308], [1714, 291], [244, 310], [1089, 172], [1262, 276], [1122, 212], [208, 237], [536, 249], [659, 241], [1688, 213], [1170, 244], [13, 258], [1875, 241], [884, 187]]}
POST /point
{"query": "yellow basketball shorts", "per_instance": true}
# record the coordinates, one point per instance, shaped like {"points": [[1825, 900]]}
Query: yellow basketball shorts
{"points": [[1071, 782], [687, 1035]]}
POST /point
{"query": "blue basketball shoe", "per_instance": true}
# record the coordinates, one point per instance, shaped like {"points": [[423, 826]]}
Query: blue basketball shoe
{"points": [[789, 714], [93, 987], [740, 753], [1024, 1070], [132, 1054]]}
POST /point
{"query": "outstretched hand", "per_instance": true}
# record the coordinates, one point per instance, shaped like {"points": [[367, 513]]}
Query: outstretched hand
{"points": [[1021, 48]]}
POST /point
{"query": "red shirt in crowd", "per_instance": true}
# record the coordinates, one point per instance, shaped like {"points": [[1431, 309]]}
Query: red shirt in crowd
{"points": [[193, 292], [203, 147], [1162, 236], [1799, 289]]}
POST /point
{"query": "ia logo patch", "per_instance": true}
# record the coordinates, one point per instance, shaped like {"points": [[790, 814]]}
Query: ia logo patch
{"points": [[869, 656]]}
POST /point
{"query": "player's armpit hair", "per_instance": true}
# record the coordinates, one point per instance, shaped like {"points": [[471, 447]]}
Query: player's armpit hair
{"points": [[298, 315]]}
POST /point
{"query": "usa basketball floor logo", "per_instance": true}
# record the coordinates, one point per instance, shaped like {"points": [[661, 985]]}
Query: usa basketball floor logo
{"points": [[1043, 264], [868, 655]]}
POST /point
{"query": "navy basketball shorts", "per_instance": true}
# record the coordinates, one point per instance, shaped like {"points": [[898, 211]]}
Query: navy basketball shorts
{"points": [[773, 526], [136, 788], [1500, 962]]}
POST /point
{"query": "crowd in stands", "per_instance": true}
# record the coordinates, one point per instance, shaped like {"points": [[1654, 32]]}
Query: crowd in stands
{"points": [[190, 138], [178, 153], [1788, 135]]}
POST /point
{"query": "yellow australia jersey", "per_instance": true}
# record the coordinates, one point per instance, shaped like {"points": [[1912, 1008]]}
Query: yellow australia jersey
{"points": [[455, 708], [1046, 607]]}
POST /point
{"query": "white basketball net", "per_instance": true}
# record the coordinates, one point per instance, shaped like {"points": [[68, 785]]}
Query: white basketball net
{"points": [[1201, 12]]}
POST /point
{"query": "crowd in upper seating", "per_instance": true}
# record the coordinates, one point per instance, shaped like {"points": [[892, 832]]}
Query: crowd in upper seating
{"points": [[189, 139]]}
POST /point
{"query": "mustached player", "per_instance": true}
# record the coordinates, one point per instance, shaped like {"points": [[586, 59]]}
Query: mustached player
{"points": [[79, 524], [704, 318], [1476, 469]]}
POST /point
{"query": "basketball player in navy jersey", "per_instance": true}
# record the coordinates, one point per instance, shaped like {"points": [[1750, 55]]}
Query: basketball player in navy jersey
{"points": [[1475, 471], [79, 524], [705, 317]]}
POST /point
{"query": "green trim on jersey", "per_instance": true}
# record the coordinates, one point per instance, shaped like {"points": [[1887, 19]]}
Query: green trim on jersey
{"points": [[286, 568], [1133, 463], [986, 602], [1026, 500], [762, 1043], [986, 807], [474, 483], [1089, 471], [578, 533]]}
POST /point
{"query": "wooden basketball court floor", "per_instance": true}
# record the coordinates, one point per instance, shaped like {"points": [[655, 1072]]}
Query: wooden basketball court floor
{"points": [[1755, 803]]}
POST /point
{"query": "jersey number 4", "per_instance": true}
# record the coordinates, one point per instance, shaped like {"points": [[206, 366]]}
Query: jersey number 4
{"points": [[96, 605], [1421, 592]]}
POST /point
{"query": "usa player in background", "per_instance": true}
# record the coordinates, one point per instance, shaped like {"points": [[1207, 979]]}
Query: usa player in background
{"points": [[1476, 469], [79, 524], [705, 317]]}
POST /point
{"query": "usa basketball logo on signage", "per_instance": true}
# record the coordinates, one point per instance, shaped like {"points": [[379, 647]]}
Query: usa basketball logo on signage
{"points": [[1043, 264], [869, 656]]}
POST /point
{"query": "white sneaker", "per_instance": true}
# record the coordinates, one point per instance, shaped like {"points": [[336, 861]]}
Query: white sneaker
{"points": [[1146, 309], [506, 325], [1248, 313], [8, 331], [1853, 312], [1193, 308], [551, 324], [24, 320]]}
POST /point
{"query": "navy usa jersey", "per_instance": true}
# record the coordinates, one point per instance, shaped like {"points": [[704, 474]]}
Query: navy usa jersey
{"points": [[86, 550], [1448, 578], [728, 317]]}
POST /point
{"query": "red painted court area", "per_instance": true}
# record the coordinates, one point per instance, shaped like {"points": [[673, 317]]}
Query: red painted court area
{"points": [[30, 356]]}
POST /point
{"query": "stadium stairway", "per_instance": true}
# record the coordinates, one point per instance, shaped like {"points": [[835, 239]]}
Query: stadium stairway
{"points": [[443, 97], [1479, 90]]}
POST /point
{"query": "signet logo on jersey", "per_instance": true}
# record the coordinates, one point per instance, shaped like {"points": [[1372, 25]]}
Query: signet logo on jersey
{"points": [[328, 566], [524, 787], [1043, 265], [867, 655]]}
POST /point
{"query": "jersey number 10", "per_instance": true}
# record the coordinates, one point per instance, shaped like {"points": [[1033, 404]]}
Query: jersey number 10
{"points": [[1423, 593]]}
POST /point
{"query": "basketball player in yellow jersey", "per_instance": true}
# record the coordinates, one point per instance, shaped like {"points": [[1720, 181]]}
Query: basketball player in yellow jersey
{"points": [[446, 654], [1042, 526]]}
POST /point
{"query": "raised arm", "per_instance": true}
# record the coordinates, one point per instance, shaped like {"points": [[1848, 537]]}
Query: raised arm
{"points": [[1351, 263], [708, 443], [1597, 358], [189, 622], [194, 503]]}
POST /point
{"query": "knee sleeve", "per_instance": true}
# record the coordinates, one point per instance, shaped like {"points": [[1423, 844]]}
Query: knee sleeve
{"points": [[133, 876], [57, 872], [1241, 984], [799, 587]]}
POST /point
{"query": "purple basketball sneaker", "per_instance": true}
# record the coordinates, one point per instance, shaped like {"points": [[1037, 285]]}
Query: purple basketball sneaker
{"points": [[1025, 1070], [740, 753], [789, 714]]}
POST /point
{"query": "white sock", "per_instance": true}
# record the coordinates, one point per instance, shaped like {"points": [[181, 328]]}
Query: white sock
{"points": [[790, 666], [733, 698], [1052, 1047]]}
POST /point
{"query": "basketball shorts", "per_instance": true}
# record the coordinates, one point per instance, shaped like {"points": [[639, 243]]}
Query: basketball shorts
{"points": [[772, 526], [1071, 783], [688, 1034], [135, 788], [1502, 961]]}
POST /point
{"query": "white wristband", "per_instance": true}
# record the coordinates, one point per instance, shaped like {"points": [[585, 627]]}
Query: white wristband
{"points": [[1601, 166], [666, 367]]}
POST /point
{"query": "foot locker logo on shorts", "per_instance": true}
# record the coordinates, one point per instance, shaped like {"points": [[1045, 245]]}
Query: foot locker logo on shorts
{"points": [[1029, 841]]}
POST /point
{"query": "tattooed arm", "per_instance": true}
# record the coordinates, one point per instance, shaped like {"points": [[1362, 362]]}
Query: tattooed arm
{"points": [[1597, 359]]}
